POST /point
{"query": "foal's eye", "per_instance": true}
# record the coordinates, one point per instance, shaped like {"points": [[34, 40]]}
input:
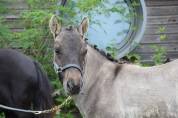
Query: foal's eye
{"points": [[57, 51]]}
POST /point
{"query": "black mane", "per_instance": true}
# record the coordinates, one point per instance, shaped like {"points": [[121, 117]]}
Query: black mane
{"points": [[107, 55]]}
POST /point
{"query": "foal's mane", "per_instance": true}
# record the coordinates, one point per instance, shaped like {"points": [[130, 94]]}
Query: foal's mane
{"points": [[106, 55]]}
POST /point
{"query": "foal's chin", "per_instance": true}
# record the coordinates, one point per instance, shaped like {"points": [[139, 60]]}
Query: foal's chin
{"points": [[71, 90], [72, 81]]}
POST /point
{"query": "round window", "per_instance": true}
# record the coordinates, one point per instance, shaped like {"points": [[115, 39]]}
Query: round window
{"points": [[111, 27], [116, 26]]}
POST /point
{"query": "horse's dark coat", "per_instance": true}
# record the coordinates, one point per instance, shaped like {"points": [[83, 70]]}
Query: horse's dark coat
{"points": [[23, 85]]}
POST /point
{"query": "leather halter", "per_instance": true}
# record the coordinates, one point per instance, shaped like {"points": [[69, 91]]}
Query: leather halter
{"points": [[60, 69]]}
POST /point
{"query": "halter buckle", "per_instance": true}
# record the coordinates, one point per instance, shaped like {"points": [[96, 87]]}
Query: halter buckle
{"points": [[38, 112], [59, 70]]}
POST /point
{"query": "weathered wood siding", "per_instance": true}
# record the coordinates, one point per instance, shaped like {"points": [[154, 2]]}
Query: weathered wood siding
{"points": [[161, 13], [12, 16]]}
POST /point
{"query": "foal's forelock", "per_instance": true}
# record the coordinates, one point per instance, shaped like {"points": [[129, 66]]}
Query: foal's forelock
{"points": [[69, 33]]}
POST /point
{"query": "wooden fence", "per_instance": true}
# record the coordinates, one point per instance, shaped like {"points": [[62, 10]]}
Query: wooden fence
{"points": [[161, 14]]}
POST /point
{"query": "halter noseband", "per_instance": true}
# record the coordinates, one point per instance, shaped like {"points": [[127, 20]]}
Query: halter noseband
{"points": [[59, 69]]}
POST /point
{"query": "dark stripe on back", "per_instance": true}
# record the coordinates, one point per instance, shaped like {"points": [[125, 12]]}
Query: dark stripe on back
{"points": [[117, 69]]}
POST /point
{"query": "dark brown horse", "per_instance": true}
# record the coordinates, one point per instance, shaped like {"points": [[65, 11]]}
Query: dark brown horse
{"points": [[105, 89], [23, 85]]}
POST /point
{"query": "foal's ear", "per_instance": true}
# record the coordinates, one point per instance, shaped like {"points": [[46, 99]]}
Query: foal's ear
{"points": [[54, 26], [84, 26]]}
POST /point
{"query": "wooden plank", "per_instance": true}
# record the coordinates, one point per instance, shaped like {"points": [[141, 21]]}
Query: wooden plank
{"points": [[11, 17], [149, 56], [15, 12], [16, 5], [162, 10], [15, 24], [25, 6], [13, 0], [155, 29], [161, 2], [171, 19], [17, 29], [13, 21], [154, 39], [170, 47], [150, 62]]}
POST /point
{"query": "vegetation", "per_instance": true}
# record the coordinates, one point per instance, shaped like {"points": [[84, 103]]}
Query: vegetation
{"points": [[159, 51], [159, 55], [36, 41]]}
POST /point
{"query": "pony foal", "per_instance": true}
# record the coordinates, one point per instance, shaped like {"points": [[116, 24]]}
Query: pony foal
{"points": [[105, 89]]}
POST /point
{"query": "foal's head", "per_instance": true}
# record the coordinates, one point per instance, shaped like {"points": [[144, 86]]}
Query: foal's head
{"points": [[69, 53]]}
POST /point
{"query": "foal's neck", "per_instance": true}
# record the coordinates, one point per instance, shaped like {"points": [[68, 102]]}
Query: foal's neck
{"points": [[94, 63], [94, 67]]}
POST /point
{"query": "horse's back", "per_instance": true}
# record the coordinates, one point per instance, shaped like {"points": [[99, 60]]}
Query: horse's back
{"points": [[17, 75], [164, 71], [138, 92], [14, 61], [147, 92]]}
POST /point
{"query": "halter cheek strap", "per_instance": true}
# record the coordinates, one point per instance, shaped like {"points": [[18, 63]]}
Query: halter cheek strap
{"points": [[59, 69]]}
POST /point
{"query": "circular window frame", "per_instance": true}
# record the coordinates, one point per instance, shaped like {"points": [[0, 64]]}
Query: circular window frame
{"points": [[134, 37]]}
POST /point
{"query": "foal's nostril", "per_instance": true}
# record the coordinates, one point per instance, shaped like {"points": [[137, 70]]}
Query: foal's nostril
{"points": [[72, 88], [70, 84]]}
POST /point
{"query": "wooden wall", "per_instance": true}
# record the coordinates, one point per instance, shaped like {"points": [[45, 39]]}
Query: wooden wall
{"points": [[161, 13], [14, 8]]}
